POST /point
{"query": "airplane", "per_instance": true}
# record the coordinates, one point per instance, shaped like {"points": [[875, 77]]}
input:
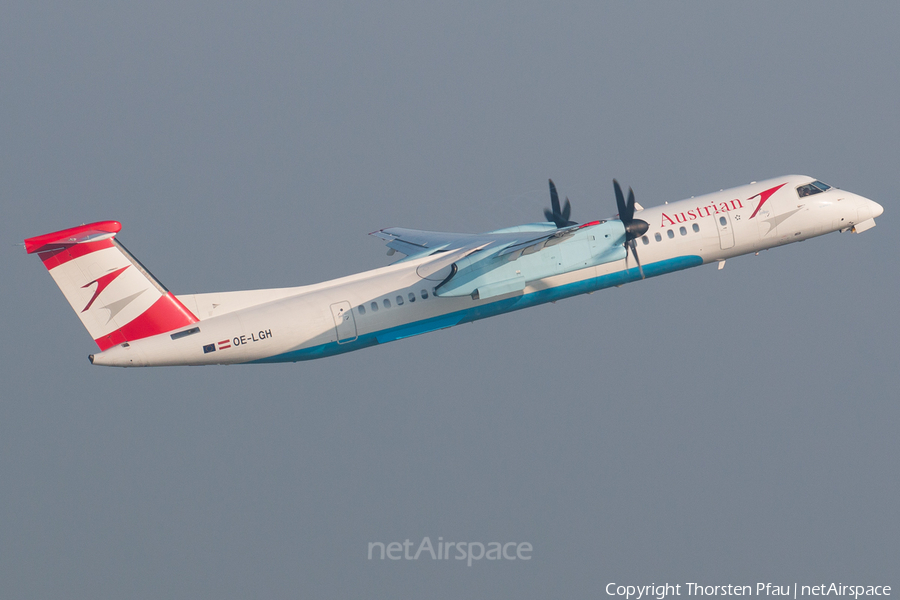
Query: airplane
{"points": [[444, 279]]}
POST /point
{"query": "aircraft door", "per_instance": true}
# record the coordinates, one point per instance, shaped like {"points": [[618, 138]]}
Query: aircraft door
{"points": [[726, 231], [344, 322]]}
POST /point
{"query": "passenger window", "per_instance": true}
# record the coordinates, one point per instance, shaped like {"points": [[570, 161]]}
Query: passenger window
{"points": [[696, 228], [645, 239], [387, 303], [424, 294], [723, 221], [374, 307], [670, 233], [658, 237], [361, 309], [412, 296], [399, 300], [682, 230]]}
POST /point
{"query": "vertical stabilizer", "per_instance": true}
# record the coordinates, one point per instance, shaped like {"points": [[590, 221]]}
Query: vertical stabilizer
{"points": [[112, 293]]}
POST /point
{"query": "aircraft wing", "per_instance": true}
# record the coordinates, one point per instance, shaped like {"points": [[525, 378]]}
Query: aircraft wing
{"points": [[517, 241], [537, 243], [414, 243]]}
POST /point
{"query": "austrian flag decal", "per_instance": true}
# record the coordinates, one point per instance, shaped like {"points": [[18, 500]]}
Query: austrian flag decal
{"points": [[223, 345]]}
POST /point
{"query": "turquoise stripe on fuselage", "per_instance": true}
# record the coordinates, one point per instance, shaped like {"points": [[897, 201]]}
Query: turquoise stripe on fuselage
{"points": [[490, 309]]}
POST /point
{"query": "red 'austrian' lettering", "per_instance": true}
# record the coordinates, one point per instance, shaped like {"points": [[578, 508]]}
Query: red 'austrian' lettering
{"points": [[700, 212], [714, 208]]}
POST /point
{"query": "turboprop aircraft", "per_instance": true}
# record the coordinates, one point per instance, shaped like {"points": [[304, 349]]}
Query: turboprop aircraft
{"points": [[445, 279]]}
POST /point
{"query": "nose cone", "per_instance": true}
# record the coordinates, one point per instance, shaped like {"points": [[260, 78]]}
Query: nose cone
{"points": [[868, 209], [876, 209]]}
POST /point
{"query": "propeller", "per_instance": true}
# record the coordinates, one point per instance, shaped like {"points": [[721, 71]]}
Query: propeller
{"points": [[634, 228], [559, 217]]}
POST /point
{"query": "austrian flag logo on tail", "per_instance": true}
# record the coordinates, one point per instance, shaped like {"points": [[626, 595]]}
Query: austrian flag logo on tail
{"points": [[102, 282], [714, 208], [224, 344]]}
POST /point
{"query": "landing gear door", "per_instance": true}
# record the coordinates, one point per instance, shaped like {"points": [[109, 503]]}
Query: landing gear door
{"points": [[726, 231], [344, 322]]}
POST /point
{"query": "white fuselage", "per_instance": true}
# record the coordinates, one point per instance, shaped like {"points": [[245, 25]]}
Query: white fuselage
{"points": [[394, 302]]}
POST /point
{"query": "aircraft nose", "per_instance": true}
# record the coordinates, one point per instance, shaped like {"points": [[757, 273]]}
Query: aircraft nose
{"points": [[868, 209], [876, 209]]}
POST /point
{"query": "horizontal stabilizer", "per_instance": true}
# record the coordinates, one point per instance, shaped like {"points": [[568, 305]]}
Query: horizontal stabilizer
{"points": [[74, 235]]}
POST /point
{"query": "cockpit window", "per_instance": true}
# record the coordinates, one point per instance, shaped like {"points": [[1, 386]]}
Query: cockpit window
{"points": [[813, 188]]}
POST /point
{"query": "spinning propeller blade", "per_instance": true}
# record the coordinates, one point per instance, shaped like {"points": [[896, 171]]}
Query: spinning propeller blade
{"points": [[634, 228], [559, 217]]}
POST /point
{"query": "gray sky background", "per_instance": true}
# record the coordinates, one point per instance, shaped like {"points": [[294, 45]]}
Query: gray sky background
{"points": [[730, 426]]}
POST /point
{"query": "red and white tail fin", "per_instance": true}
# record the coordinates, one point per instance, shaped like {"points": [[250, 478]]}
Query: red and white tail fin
{"points": [[112, 293]]}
